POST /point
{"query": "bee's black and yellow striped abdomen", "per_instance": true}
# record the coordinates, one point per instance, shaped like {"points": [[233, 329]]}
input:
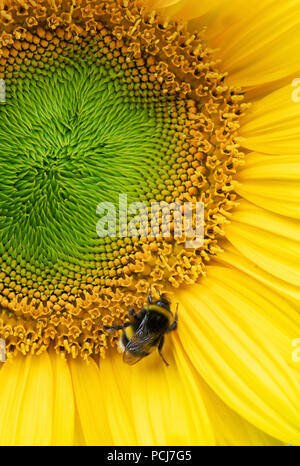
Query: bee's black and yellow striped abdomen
{"points": [[128, 334]]}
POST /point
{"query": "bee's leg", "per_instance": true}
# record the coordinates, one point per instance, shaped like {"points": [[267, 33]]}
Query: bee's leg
{"points": [[160, 346], [173, 326], [132, 313], [116, 327], [139, 317]]}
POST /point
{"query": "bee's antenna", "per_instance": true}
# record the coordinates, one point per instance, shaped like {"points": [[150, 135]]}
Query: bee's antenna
{"points": [[150, 296]]}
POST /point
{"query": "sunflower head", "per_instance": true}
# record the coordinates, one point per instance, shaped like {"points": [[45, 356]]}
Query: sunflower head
{"points": [[103, 99]]}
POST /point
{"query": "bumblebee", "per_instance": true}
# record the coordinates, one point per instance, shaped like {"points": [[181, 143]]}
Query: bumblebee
{"points": [[145, 331]]}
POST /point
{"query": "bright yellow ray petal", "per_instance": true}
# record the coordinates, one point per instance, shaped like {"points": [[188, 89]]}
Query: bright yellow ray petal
{"points": [[90, 402], [224, 15], [252, 49], [160, 396], [229, 428], [271, 182], [158, 4], [272, 124], [255, 93], [246, 212], [265, 167], [36, 411], [115, 378], [187, 9], [240, 342], [193, 387], [267, 239], [63, 406], [232, 257], [263, 45], [78, 433], [280, 197], [13, 378], [279, 315]]}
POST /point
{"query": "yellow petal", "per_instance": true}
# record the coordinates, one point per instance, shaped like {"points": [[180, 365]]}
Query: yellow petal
{"points": [[281, 197], [79, 439], [240, 342], [271, 182], [262, 45], [13, 377], [158, 4], [266, 167], [230, 428], [194, 389], [160, 396], [224, 15], [252, 49], [115, 378], [232, 257], [90, 402], [34, 424], [187, 9], [267, 239], [63, 406], [272, 124]]}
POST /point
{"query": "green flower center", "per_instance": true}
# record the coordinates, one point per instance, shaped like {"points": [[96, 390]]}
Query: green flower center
{"points": [[76, 138]]}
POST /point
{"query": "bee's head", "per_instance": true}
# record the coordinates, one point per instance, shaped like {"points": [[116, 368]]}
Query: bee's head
{"points": [[163, 302]]}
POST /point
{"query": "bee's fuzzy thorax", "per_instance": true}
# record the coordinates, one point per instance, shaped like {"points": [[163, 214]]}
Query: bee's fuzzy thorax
{"points": [[161, 309]]}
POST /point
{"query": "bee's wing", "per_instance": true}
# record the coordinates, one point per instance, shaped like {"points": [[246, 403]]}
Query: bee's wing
{"points": [[131, 358], [139, 346]]}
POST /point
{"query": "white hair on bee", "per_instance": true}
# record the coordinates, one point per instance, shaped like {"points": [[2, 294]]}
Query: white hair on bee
{"points": [[121, 345]]}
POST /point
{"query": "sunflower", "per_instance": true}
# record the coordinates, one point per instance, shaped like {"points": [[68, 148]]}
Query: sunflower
{"points": [[161, 100]]}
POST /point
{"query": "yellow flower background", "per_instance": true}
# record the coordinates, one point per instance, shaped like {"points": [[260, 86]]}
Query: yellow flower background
{"points": [[232, 378]]}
